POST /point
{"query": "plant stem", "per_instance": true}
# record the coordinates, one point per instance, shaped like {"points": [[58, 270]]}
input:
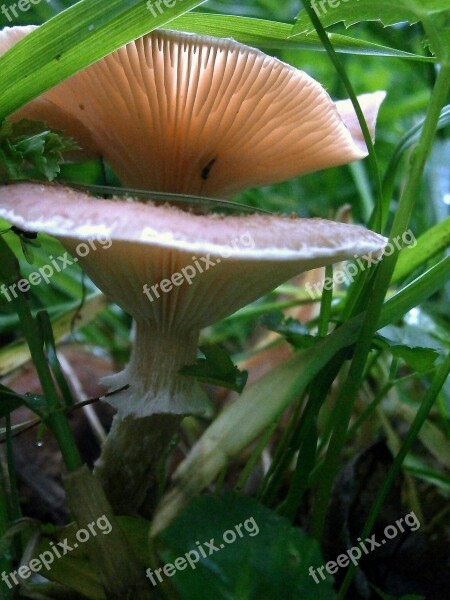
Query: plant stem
{"points": [[256, 454], [325, 306], [359, 113], [5, 549], [349, 390], [118, 568], [56, 420]]}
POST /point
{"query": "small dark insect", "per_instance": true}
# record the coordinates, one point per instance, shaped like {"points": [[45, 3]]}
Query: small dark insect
{"points": [[26, 241], [29, 235], [207, 169]]}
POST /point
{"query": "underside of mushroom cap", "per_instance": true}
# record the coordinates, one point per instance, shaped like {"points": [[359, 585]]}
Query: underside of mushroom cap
{"points": [[231, 260], [193, 114], [370, 105]]}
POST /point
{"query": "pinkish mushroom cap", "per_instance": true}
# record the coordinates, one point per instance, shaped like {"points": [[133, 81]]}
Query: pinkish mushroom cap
{"points": [[193, 114]]}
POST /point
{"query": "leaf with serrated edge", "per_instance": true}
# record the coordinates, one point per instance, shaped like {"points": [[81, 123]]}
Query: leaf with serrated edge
{"points": [[272, 35], [387, 12]]}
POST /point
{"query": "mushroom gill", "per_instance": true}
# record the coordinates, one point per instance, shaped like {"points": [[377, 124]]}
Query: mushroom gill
{"points": [[181, 113]]}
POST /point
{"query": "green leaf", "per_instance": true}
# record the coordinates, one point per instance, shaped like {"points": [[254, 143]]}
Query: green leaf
{"points": [[295, 333], [73, 570], [385, 11], [419, 359], [9, 401], [431, 243], [434, 14], [217, 368], [45, 326], [74, 39], [37, 403], [436, 441], [390, 177], [410, 345], [268, 559], [17, 353], [274, 35], [31, 145]]}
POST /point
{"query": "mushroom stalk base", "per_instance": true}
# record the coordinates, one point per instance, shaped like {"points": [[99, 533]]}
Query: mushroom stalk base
{"points": [[131, 455], [150, 408]]}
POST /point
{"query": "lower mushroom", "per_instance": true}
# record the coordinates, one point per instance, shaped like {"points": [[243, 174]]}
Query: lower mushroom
{"points": [[175, 273]]}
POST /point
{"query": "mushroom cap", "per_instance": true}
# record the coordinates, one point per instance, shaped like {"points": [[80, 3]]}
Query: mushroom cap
{"points": [[370, 105], [248, 255], [192, 114]]}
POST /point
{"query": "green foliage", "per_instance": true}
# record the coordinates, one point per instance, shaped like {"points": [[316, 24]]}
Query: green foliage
{"points": [[272, 35], [28, 147], [388, 13], [405, 343], [270, 559], [434, 15], [217, 368], [295, 333], [310, 411], [9, 401]]}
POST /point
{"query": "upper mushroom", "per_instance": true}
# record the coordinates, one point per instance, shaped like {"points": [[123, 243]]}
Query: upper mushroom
{"points": [[182, 113]]}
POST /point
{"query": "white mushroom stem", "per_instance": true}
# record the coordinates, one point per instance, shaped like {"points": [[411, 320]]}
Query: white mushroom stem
{"points": [[135, 446], [151, 379]]}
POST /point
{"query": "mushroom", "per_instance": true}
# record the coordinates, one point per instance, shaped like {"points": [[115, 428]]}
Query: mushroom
{"points": [[175, 272], [187, 114]]}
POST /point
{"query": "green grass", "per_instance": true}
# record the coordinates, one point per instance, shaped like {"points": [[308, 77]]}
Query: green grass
{"points": [[343, 388]]}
